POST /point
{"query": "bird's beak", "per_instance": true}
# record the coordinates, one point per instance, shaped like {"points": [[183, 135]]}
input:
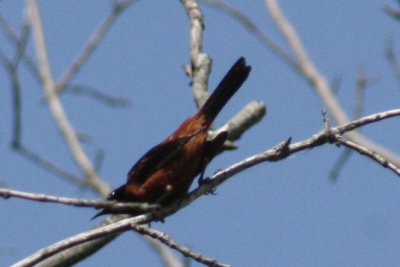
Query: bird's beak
{"points": [[99, 214]]}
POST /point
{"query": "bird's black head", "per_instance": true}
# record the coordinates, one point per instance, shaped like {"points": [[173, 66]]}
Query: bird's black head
{"points": [[118, 194]]}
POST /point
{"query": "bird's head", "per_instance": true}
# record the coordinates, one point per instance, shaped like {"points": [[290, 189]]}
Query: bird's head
{"points": [[118, 194]]}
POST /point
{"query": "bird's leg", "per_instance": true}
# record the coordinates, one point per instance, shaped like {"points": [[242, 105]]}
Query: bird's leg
{"points": [[201, 181], [213, 147]]}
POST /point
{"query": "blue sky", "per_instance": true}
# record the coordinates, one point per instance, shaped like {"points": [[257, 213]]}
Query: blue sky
{"points": [[276, 214]]}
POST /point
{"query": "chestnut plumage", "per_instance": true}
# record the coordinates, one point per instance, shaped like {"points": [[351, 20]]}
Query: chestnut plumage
{"points": [[165, 173]]}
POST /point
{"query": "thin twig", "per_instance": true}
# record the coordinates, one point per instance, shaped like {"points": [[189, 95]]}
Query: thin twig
{"points": [[361, 85], [392, 58], [167, 240], [335, 84], [48, 165], [79, 61], [367, 120], [16, 99], [252, 27], [94, 40], [167, 256], [12, 68], [12, 37], [371, 154], [394, 13], [339, 164], [98, 204], [22, 42], [98, 95]]}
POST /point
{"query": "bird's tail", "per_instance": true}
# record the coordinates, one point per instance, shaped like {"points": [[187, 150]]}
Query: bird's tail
{"points": [[226, 89]]}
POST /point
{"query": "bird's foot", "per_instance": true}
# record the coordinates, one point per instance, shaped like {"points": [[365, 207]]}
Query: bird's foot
{"points": [[207, 180]]}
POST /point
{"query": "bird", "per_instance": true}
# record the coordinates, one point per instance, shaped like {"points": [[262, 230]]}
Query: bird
{"points": [[165, 173]]}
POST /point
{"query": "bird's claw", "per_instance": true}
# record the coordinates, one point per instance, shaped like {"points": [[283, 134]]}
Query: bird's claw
{"points": [[203, 181]]}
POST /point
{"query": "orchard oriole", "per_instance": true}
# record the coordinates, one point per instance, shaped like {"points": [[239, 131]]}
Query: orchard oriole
{"points": [[165, 173]]}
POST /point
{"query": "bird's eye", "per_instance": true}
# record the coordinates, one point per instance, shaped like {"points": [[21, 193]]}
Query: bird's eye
{"points": [[111, 195]]}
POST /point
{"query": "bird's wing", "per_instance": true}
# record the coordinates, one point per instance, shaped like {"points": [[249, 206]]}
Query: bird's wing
{"points": [[155, 158]]}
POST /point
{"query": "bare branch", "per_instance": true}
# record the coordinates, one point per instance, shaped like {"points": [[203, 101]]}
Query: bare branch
{"points": [[391, 11], [250, 115], [248, 23], [308, 70], [361, 85], [167, 256], [167, 240], [47, 165], [201, 65], [111, 229], [371, 154], [200, 62], [304, 63], [56, 107], [368, 120], [97, 95], [73, 255], [339, 164], [16, 99], [392, 58], [284, 149], [98, 204], [12, 67], [16, 142], [94, 40], [15, 41]]}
